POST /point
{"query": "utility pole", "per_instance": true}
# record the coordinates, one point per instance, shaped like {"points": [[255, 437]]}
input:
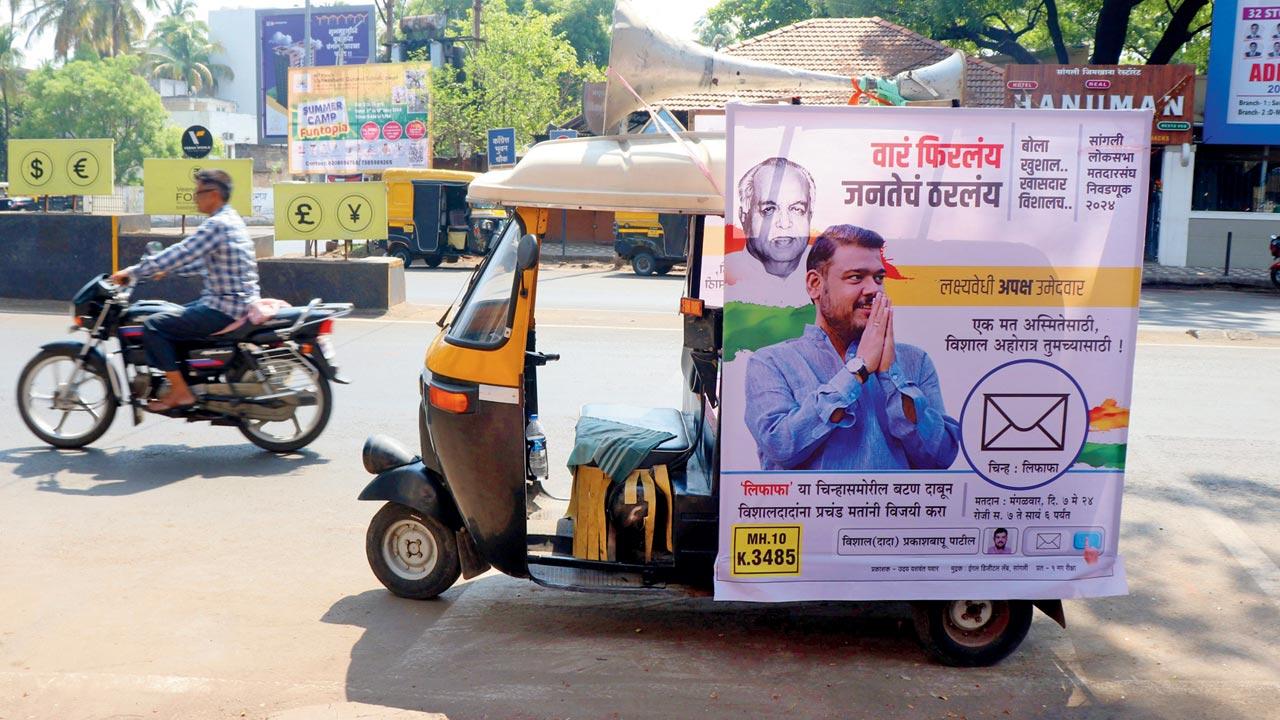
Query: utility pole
{"points": [[475, 20], [308, 58]]}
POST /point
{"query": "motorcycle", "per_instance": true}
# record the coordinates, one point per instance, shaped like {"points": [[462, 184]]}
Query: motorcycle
{"points": [[1275, 266], [270, 380]]}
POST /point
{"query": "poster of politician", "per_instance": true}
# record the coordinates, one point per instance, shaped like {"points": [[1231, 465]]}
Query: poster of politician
{"points": [[929, 329]]}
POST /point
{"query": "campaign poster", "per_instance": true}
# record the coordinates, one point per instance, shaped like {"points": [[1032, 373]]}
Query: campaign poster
{"points": [[359, 118], [1243, 97], [929, 327], [339, 36]]}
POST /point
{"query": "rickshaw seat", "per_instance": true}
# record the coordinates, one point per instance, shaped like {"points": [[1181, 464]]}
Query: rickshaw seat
{"points": [[667, 420]]}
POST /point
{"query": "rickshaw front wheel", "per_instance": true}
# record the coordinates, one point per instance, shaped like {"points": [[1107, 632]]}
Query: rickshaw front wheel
{"points": [[971, 633], [412, 553]]}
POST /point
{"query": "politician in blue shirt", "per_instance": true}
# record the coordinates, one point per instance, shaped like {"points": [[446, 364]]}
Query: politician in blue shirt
{"points": [[844, 395]]}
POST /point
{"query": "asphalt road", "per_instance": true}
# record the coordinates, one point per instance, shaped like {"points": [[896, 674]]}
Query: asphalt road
{"points": [[176, 571]]}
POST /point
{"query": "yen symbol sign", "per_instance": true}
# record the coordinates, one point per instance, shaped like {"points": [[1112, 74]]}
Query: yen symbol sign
{"points": [[304, 214], [37, 168], [355, 213], [82, 168]]}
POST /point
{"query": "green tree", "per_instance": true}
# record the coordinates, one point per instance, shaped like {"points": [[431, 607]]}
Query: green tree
{"points": [[523, 75], [99, 99], [180, 49], [108, 27], [756, 17], [587, 25], [11, 73], [716, 33]]}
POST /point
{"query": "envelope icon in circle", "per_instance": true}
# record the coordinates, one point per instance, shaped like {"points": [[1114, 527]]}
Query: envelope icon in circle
{"points": [[1048, 541], [1026, 422]]}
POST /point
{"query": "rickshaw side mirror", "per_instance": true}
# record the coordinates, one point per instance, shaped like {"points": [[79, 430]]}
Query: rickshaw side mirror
{"points": [[527, 252]]}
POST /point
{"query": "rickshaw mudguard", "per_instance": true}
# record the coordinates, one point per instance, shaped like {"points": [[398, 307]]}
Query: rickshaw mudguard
{"points": [[415, 486], [1052, 608]]}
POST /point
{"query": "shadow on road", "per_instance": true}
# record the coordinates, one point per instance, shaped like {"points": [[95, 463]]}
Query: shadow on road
{"points": [[128, 471]]}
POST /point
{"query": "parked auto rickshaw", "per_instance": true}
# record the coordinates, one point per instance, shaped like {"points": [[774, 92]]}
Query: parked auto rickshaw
{"points": [[651, 242], [428, 217], [466, 503]]}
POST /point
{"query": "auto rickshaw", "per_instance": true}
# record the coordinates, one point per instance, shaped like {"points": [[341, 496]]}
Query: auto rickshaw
{"points": [[428, 217], [472, 500], [651, 242]]}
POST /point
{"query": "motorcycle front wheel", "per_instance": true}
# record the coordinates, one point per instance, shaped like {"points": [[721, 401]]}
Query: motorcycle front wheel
{"points": [[67, 402], [308, 420]]}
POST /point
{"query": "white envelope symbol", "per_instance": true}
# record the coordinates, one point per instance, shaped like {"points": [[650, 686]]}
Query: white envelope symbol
{"points": [[1026, 422], [1048, 541]]}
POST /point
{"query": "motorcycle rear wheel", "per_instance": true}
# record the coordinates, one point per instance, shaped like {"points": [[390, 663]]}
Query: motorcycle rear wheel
{"points": [[77, 388], [257, 433]]}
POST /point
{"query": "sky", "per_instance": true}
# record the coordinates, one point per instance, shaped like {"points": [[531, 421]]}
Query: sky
{"points": [[675, 17]]}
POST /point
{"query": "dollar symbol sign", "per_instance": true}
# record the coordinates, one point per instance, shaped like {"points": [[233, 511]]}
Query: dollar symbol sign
{"points": [[37, 169]]}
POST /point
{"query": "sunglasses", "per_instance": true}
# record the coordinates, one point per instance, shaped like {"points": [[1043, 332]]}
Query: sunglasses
{"points": [[206, 190]]}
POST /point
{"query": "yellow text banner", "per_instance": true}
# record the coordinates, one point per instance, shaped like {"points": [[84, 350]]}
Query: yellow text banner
{"points": [[987, 286], [62, 167], [331, 211], [169, 186]]}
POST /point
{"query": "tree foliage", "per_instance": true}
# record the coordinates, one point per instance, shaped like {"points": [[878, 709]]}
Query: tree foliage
{"points": [[180, 49], [1150, 31], [100, 99], [11, 76], [523, 75], [106, 27]]}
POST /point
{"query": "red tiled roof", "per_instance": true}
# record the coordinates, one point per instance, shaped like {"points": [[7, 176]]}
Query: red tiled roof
{"points": [[852, 47]]}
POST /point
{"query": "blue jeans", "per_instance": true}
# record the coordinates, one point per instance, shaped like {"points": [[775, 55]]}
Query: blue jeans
{"points": [[162, 331]]}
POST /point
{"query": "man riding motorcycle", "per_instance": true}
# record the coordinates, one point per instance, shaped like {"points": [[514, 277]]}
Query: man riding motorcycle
{"points": [[223, 253]]}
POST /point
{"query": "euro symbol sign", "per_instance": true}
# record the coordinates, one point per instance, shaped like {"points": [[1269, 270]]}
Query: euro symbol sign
{"points": [[37, 169], [355, 212], [78, 169], [303, 213]]}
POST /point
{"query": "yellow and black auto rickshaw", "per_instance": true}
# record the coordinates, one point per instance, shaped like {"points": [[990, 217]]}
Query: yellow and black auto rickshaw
{"points": [[653, 243], [428, 216], [473, 499]]}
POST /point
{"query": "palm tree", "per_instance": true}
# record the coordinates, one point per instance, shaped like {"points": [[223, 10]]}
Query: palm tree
{"points": [[72, 23], [120, 23], [185, 9], [10, 76], [181, 50]]}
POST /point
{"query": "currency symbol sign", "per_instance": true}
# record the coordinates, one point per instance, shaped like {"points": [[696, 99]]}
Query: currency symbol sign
{"points": [[355, 211], [303, 212], [37, 169], [78, 169]]}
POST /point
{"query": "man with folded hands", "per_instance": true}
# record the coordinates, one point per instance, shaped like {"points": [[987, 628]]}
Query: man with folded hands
{"points": [[844, 395]]}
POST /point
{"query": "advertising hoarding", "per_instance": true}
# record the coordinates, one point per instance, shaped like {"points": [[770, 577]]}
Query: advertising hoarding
{"points": [[169, 186], [330, 211], [62, 167], [359, 118], [1167, 90], [1242, 104], [929, 329], [340, 35]]}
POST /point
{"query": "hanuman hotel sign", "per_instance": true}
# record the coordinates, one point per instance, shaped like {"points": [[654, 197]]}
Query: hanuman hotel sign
{"points": [[1168, 90]]}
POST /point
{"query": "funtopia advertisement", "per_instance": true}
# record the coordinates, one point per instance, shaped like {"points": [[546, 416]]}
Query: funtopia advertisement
{"points": [[339, 36], [929, 330], [363, 118]]}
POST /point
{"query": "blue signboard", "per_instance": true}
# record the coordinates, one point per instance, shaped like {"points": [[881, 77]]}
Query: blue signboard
{"points": [[502, 147], [564, 133], [1242, 105]]}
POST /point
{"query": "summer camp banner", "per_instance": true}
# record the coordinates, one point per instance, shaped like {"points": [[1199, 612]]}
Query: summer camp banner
{"points": [[980, 271], [358, 118]]}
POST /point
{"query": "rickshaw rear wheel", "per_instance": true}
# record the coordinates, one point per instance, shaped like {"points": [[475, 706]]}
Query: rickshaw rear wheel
{"points": [[664, 268], [971, 633], [405, 256], [412, 553], [433, 260], [643, 263]]}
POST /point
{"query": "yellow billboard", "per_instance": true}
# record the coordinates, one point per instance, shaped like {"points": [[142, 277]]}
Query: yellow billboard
{"points": [[61, 167], [331, 211], [169, 186], [358, 118]]}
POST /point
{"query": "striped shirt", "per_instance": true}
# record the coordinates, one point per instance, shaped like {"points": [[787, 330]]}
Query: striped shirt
{"points": [[221, 251]]}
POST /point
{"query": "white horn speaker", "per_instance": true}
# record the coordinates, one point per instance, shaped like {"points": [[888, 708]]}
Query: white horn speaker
{"points": [[943, 80], [658, 66]]}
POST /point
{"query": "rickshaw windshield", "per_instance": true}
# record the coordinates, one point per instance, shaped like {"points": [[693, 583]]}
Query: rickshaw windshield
{"points": [[485, 317]]}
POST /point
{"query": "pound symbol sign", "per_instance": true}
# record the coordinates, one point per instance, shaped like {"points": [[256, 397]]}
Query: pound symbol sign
{"points": [[78, 169], [303, 212], [37, 169], [355, 212]]}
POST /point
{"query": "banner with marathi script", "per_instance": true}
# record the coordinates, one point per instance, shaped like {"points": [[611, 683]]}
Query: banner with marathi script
{"points": [[929, 326]]}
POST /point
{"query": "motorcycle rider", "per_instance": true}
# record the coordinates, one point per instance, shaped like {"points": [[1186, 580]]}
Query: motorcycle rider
{"points": [[223, 254]]}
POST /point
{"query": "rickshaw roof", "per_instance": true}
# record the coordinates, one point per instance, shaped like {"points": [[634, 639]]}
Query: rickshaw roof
{"points": [[640, 173], [407, 174]]}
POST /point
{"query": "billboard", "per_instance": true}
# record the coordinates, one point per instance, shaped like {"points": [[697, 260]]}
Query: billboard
{"points": [[340, 35], [61, 167], [929, 330], [331, 211], [1242, 105], [169, 186], [1168, 90], [358, 118]]}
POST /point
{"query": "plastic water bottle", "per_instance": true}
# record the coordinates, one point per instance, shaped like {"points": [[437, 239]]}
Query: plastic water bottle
{"points": [[536, 439]]}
